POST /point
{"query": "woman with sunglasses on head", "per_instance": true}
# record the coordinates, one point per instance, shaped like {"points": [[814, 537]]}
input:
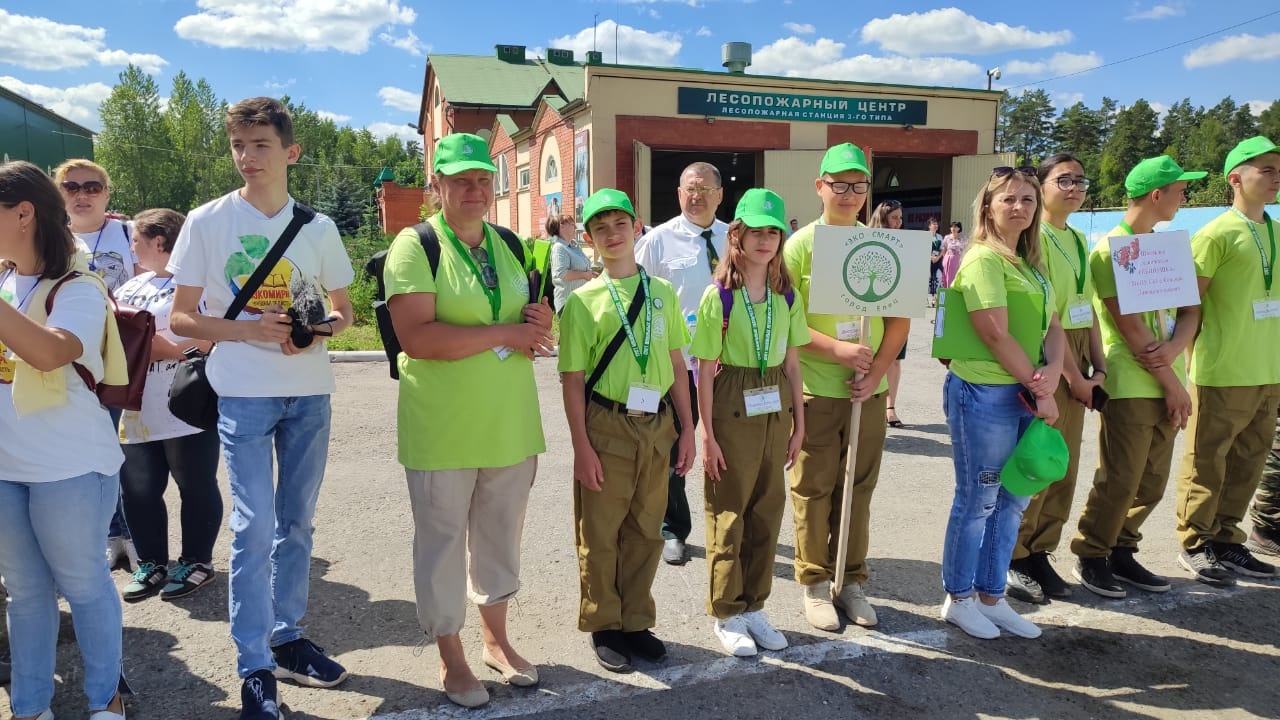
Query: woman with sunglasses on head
{"points": [[888, 214], [86, 191], [1065, 251], [468, 420], [60, 459], [1003, 284]]}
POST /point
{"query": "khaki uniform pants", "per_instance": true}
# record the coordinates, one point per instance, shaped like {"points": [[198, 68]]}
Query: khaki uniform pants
{"points": [[1228, 437], [460, 512], [1049, 510], [744, 509], [1135, 449], [617, 530], [1265, 511], [817, 487]]}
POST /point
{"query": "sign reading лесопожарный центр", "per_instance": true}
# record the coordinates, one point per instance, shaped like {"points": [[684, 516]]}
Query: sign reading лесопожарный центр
{"points": [[813, 108]]}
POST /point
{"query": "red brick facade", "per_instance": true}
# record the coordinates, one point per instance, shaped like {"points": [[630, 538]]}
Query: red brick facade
{"points": [[549, 122], [893, 140], [399, 207]]}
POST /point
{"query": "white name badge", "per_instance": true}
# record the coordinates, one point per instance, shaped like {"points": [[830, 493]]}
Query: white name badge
{"points": [[643, 398], [1080, 313], [1266, 308], [849, 330], [762, 401], [502, 351]]}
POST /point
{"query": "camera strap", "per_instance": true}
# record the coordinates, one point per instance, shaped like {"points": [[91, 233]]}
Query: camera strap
{"points": [[301, 216]]}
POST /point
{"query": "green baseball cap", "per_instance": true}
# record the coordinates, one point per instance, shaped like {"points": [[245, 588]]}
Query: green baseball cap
{"points": [[761, 208], [461, 151], [1155, 173], [1248, 150], [1038, 461], [606, 199], [842, 157]]}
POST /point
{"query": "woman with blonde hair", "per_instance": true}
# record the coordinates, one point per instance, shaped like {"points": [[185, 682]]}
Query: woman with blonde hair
{"points": [[1002, 282]]}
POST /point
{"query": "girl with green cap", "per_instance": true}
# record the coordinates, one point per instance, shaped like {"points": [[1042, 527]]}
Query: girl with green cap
{"points": [[752, 407]]}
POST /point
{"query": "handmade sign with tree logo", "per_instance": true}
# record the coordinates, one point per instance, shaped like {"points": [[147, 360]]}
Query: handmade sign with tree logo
{"points": [[870, 271]]}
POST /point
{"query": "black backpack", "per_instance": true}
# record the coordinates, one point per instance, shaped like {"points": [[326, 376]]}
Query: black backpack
{"points": [[431, 245]]}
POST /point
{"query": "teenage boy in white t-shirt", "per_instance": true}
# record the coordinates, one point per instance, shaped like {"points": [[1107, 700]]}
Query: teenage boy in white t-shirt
{"points": [[272, 392]]}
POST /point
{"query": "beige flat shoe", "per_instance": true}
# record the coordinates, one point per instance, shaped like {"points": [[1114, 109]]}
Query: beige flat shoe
{"points": [[469, 699], [519, 677]]}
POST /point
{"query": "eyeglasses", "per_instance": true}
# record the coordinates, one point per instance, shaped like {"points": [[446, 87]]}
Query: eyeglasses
{"points": [[90, 188], [699, 190], [840, 188], [487, 273], [1006, 171], [1066, 182]]}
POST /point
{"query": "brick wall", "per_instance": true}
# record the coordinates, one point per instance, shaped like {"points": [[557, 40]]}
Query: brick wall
{"points": [[398, 207], [501, 145], [893, 140], [549, 122]]}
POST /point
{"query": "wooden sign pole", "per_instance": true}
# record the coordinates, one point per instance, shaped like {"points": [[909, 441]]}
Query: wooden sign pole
{"points": [[851, 464]]}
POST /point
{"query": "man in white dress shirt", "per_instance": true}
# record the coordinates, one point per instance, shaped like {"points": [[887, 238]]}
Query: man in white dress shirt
{"points": [[684, 250]]}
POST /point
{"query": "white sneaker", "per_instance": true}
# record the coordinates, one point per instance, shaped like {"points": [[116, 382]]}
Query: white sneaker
{"points": [[735, 637], [121, 549], [763, 631], [1004, 617], [964, 614]]}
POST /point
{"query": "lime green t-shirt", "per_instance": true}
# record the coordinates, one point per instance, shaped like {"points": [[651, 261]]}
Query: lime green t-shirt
{"points": [[502, 425], [1233, 349], [985, 279], [822, 377], [1065, 254], [1125, 378], [590, 320], [736, 348]]}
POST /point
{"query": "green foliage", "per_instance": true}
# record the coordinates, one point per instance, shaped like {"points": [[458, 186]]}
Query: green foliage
{"points": [[1027, 125], [1132, 139]]}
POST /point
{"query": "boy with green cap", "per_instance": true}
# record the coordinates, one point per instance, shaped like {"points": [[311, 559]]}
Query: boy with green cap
{"points": [[1234, 374], [622, 429], [838, 365], [1148, 400]]}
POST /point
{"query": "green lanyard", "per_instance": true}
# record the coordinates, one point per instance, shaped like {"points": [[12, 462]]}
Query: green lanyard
{"points": [[762, 353], [1044, 307], [641, 355], [1079, 274], [494, 295], [1267, 274], [1128, 229]]}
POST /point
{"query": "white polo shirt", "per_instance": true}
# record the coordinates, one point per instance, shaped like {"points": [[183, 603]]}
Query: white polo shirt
{"points": [[676, 252]]}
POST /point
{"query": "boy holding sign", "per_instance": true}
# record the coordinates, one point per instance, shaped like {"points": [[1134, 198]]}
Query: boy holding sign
{"points": [[1234, 374], [838, 365], [1149, 403]]}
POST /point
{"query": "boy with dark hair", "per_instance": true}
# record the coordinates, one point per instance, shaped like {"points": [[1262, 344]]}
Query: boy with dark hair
{"points": [[622, 429], [272, 392]]}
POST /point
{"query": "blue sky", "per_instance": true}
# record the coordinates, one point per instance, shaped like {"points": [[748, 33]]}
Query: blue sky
{"points": [[362, 61]]}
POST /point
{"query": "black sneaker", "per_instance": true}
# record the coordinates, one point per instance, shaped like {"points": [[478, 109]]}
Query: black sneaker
{"points": [[305, 663], [1238, 559], [611, 650], [1261, 541], [1020, 585], [1095, 574], [1126, 568], [5, 668], [1041, 570], [1203, 563], [258, 699], [186, 578], [645, 644], [147, 581]]}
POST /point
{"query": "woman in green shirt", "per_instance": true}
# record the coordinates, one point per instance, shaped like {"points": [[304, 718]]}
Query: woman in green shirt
{"points": [[1002, 279]]}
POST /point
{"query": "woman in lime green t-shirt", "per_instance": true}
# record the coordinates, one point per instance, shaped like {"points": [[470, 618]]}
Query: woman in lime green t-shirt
{"points": [[1001, 278]]}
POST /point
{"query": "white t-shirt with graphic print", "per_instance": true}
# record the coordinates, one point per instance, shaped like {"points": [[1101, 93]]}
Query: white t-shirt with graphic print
{"points": [[110, 251], [75, 438], [154, 421], [218, 249]]}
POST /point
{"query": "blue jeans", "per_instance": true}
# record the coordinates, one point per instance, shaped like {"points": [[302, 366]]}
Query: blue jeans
{"points": [[270, 521], [986, 422], [51, 536]]}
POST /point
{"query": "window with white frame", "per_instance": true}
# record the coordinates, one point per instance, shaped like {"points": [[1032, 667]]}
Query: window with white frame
{"points": [[522, 178], [503, 182]]}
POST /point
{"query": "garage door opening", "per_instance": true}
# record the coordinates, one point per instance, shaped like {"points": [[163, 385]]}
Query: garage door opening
{"points": [[738, 173]]}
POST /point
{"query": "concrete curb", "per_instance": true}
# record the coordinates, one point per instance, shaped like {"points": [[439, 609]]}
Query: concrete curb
{"points": [[338, 356]]}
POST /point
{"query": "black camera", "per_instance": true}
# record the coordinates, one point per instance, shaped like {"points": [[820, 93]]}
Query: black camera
{"points": [[300, 333]]}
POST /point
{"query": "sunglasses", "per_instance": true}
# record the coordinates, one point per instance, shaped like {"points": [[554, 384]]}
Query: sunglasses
{"points": [[91, 188], [487, 273], [1006, 171], [892, 204]]}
